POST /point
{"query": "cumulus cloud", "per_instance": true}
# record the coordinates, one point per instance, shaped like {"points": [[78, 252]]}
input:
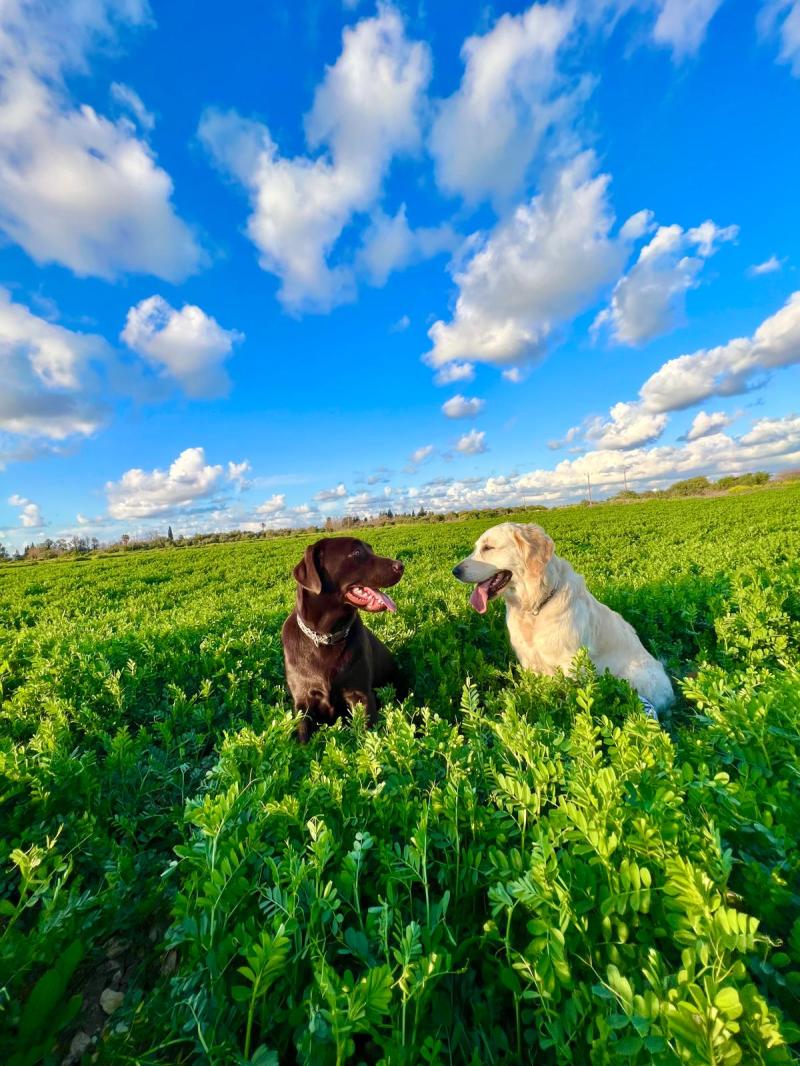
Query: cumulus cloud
{"points": [[389, 244], [143, 494], [463, 407], [486, 135], [727, 370], [187, 345], [129, 100], [366, 111], [781, 18], [75, 187], [627, 426], [537, 268], [30, 515], [421, 454], [573, 434], [649, 299], [681, 25], [237, 473], [769, 266], [273, 505], [50, 376], [769, 432], [472, 443], [452, 372], [338, 492], [771, 444], [704, 423]]}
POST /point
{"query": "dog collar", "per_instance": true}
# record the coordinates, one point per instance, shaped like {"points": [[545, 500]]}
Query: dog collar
{"points": [[545, 601], [325, 638]]}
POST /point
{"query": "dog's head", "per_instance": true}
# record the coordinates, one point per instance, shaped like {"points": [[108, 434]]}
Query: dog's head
{"points": [[504, 558], [349, 569]]}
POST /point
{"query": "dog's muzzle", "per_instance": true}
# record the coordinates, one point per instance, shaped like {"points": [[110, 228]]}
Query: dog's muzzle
{"points": [[471, 571]]}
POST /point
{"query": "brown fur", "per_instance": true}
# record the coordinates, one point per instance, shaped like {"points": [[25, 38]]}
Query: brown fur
{"points": [[326, 682]]}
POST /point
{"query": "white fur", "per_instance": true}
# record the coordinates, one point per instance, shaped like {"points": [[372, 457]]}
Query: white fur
{"points": [[547, 640]]}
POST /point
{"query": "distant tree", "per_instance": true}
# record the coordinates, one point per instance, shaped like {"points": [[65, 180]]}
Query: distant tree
{"points": [[170, 537], [3, 553], [125, 540], [690, 487]]}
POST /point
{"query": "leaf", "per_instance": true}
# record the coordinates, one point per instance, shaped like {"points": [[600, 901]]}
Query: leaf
{"points": [[48, 992]]}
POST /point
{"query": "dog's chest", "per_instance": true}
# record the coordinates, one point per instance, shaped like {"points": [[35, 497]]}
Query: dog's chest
{"points": [[539, 644]]}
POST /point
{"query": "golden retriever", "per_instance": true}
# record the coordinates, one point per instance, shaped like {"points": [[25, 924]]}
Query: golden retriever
{"points": [[551, 614]]}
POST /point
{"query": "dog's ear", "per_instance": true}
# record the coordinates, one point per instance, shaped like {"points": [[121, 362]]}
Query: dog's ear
{"points": [[535, 547], [307, 572]]}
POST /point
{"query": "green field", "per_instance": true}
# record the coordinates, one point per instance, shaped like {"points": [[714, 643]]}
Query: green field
{"points": [[508, 869]]}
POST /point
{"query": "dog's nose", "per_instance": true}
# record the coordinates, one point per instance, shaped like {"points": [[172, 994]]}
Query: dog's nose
{"points": [[457, 571], [398, 567]]}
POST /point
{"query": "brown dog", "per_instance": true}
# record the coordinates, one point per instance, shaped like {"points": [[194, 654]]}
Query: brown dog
{"points": [[333, 662]]}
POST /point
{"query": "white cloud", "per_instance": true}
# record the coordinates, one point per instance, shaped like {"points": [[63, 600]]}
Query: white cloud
{"points": [[401, 325], [537, 268], [49, 375], [572, 434], [769, 266], [187, 345], [649, 299], [463, 407], [452, 372], [771, 431], [421, 454], [338, 492], [782, 18], [366, 110], [30, 516], [729, 369], [703, 424], [142, 494], [472, 443], [628, 426], [486, 134], [273, 505], [75, 187], [237, 473], [681, 24], [515, 374], [389, 244], [129, 100], [771, 444]]}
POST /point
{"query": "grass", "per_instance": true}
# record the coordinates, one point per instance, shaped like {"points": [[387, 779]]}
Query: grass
{"points": [[508, 869]]}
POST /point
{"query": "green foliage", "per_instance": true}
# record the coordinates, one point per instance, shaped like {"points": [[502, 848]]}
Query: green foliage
{"points": [[508, 869]]}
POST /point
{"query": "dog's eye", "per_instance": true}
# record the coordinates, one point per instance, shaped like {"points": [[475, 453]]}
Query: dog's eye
{"points": [[355, 553], [488, 548]]}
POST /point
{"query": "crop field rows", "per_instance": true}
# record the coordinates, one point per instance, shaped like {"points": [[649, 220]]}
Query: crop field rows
{"points": [[508, 869]]}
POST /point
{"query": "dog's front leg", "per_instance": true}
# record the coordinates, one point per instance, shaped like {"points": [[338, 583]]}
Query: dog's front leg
{"points": [[354, 697], [311, 709]]}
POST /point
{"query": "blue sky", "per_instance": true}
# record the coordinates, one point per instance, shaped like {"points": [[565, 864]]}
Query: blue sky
{"points": [[343, 257]]}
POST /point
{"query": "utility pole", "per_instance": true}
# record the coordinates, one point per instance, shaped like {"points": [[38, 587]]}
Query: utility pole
{"points": [[625, 476], [589, 487]]}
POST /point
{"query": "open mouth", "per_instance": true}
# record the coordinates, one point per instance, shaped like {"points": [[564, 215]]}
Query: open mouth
{"points": [[488, 589], [369, 599]]}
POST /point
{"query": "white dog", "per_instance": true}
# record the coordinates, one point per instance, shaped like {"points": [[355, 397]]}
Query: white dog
{"points": [[551, 614]]}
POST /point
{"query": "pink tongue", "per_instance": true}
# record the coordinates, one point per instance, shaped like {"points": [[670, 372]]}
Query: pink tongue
{"points": [[480, 597], [379, 601]]}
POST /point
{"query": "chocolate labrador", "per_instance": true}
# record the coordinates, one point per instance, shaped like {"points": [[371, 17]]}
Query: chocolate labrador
{"points": [[333, 662]]}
